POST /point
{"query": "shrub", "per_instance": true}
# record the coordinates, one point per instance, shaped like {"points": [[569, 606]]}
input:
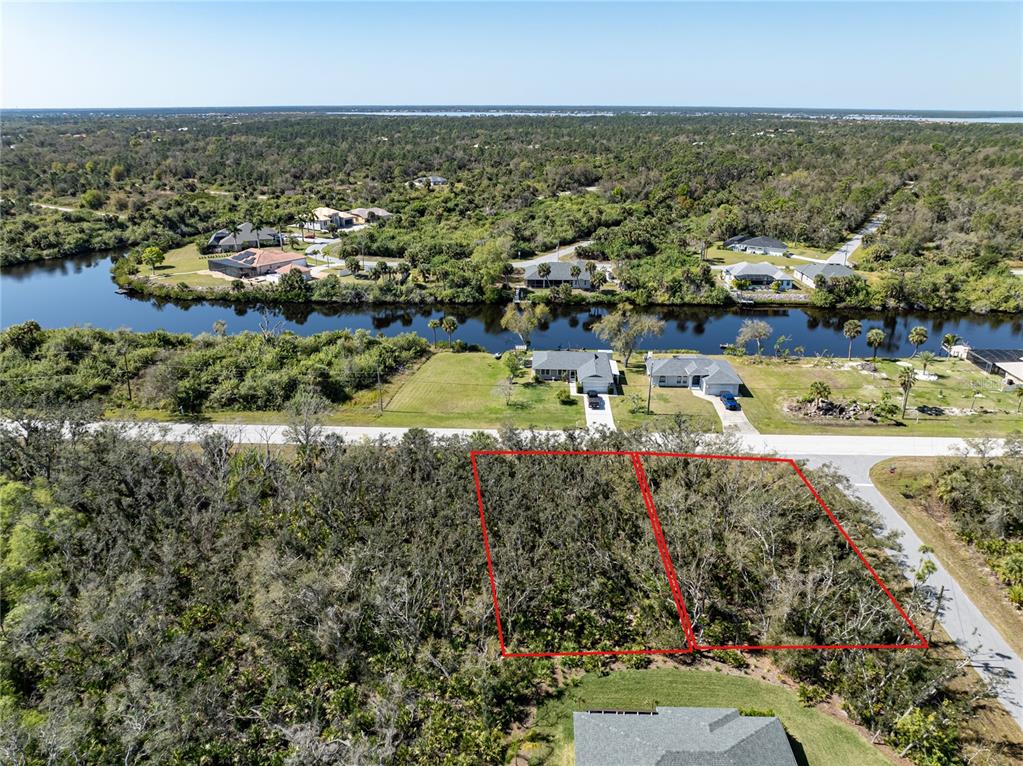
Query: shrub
{"points": [[757, 712], [810, 695], [565, 397], [1016, 595]]}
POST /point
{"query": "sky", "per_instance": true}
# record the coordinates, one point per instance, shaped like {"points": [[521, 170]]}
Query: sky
{"points": [[916, 55]]}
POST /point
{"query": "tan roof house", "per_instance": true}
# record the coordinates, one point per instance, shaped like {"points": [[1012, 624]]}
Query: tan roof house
{"points": [[255, 262]]}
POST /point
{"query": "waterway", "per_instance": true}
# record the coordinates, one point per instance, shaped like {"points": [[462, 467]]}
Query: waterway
{"points": [[79, 291]]}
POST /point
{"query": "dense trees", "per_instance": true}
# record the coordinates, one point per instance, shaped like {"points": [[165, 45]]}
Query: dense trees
{"points": [[642, 188], [219, 604]]}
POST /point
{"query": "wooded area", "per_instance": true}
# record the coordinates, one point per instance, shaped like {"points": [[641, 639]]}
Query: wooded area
{"points": [[650, 191], [329, 602]]}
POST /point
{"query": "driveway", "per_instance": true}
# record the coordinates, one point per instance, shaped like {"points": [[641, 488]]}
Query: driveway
{"points": [[962, 620], [596, 419], [732, 421]]}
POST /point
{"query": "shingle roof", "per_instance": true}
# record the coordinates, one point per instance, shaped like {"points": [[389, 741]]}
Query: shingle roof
{"points": [[259, 257], [587, 364], [675, 736], [712, 370], [560, 270], [246, 233], [744, 269], [764, 242], [826, 270]]}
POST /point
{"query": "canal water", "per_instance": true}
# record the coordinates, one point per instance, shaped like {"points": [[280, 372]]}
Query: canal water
{"points": [[79, 291]]}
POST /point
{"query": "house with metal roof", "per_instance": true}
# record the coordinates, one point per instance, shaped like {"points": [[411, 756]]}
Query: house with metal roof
{"points": [[679, 736], [595, 371], [710, 376], [756, 275], [996, 361], [561, 273], [757, 245], [225, 241], [808, 272]]}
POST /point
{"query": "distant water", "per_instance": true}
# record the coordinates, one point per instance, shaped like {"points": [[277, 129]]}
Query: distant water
{"points": [[526, 110]]}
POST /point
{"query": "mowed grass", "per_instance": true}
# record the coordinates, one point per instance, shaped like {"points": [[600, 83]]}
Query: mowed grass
{"points": [[665, 404], [907, 489], [465, 391], [823, 740], [959, 386]]}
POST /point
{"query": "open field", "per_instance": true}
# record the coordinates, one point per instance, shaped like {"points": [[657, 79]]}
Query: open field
{"points": [[772, 382], [823, 740], [665, 404], [906, 489]]}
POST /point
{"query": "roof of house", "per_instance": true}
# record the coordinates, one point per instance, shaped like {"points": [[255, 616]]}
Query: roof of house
{"points": [[995, 355], [326, 213], [764, 242], [826, 270], [680, 736], [560, 270], [711, 370], [365, 212], [587, 364], [246, 233], [289, 267], [432, 179], [736, 239], [256, 257], [745, 269]]}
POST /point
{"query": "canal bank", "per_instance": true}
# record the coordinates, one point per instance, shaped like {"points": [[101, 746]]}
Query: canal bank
{"points": [[80, 291]]}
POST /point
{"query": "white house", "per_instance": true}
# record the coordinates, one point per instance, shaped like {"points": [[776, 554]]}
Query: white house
{"points": [[757, 275], [325, 218], [711, 376], [808, 273], [757, 245], [561, 273]]}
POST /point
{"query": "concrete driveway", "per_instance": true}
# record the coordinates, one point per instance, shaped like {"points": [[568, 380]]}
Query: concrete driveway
{"points": [[732, 421], [596, 419]]}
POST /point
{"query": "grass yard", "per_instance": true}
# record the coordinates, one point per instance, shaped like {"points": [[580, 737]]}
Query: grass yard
{"points": [[665, 403], [719, 256], [823, 740], [771, 383], [906, 489]]}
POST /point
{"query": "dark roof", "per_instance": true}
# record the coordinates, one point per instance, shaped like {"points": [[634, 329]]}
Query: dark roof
{"points": [[763, 269], [246, 233], [587, 364], [736, 239], [764, 242], [713, 370], [679, 736], [993, 355], [560, 271], [826, 270]]}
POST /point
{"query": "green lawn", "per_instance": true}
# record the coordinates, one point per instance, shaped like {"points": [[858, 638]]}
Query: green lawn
{"points": [[717, 255], [771, 383], [665, 403], [823, 740]]}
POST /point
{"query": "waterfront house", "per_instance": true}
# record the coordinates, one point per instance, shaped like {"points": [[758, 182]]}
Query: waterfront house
{"points": [[561, 273], [757, 245], [679, 736], [808, 273], [756, 275], [710, 376], [225, 241], [595, 371], [255, 262], [1007, 362]]}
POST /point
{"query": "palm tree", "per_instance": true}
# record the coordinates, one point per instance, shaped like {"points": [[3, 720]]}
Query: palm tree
{"points": [[875, 338], [906, 380], [1019, 395], [917, 336], [433, 324], [950, 339], [575, 271], [927, 357], [852, 330], [544, 271], [257, 224], [591, 268], [449, 325], [236, 231]]}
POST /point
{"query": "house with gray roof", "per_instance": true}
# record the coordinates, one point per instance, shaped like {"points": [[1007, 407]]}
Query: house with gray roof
{"points": [[680, 736], [424, 181], [561, 273], [595, 371], [756, 275], [226, 241], [710, 376], [808, 273], [758, 245]]}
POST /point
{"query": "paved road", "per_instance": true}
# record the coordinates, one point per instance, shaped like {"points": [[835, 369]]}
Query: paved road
{"points": [[553, 255], [844, 253], [994, 659]]}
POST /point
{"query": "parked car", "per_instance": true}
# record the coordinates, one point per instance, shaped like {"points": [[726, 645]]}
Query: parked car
{"points": [[728, 399], [594, 401]]}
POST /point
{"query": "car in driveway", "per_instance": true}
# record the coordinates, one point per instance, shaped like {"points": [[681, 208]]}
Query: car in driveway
{"points": [[593, 400], [729, 401]]}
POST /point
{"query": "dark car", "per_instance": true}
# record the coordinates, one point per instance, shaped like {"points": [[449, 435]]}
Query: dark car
{"points": [[594, 401], [729, 401]]}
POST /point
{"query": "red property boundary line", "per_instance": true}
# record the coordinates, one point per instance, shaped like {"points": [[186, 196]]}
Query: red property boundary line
{"points": [[669, 567]]}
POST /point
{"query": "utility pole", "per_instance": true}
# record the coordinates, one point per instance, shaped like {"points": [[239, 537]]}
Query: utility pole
{"points": [[380, 393], [937, 608]]}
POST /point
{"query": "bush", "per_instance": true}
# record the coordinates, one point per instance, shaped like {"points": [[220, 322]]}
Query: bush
{"points": [[757, 712], [1016, 595], [565, 397], [810, 695]]}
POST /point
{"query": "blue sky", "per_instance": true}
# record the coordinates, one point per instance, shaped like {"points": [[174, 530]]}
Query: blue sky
{"points": [[920, 55]]}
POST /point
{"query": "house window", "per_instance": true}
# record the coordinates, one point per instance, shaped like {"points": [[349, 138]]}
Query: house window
{"points": [[678, 381], [660, 380]]}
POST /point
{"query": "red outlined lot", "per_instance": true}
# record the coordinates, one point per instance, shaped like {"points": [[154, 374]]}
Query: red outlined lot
{"points": [[685, 623]]}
